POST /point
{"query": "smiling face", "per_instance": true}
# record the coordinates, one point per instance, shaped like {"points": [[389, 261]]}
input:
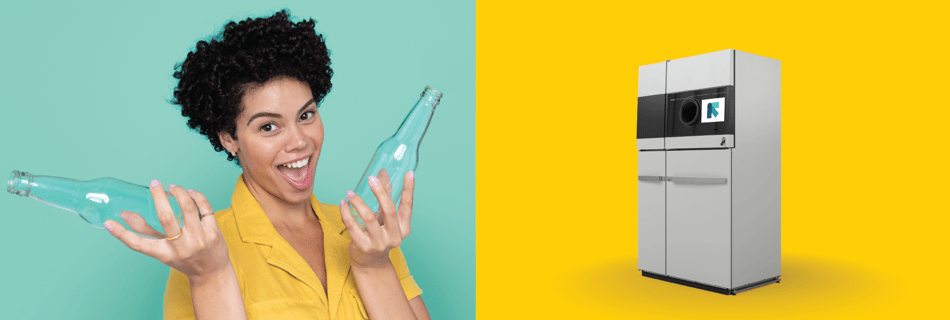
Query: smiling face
{"points": [[279, 136]]}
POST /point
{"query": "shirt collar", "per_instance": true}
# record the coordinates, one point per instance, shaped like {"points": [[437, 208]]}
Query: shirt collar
{"points": [[254, 226]]}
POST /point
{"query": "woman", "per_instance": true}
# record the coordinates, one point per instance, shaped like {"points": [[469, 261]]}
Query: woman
{"points": [[276, 252]]}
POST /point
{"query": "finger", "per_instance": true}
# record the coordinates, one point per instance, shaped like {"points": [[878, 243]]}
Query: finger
{"points": [[138, 224], [189, 210], [359, 236], [387, 211], [164, 209], [369, 219], [151, 248], [405, 202], [206, 213], [382, 196], [384, 180]]}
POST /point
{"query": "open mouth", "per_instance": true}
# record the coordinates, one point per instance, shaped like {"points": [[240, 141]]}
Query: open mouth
{"points": [[298, 173]]}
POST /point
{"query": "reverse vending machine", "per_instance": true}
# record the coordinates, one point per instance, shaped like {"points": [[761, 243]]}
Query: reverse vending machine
{"points": [[709, 171]]}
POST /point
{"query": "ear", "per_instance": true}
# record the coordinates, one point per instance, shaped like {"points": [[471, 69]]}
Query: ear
{"points": [[229, 143]]}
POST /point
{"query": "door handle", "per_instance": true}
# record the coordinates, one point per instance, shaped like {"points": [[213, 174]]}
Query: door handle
{"points": [[698, 180], [651, 178]]}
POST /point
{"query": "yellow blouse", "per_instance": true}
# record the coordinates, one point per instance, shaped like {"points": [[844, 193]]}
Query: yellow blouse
{"points": [[275, 281]]}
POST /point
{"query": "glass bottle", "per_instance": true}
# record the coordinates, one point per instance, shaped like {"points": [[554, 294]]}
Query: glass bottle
{"points": [[95, 201], [398, 154]]}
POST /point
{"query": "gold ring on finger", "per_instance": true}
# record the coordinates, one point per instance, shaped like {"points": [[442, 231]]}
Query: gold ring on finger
{"points": [[176, 237]]}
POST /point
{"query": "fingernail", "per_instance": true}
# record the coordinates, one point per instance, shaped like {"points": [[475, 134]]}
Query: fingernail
{"points": [[125, 215], [171, 186], [342, 202], [189, 190], [109, 226], [155, 183], [412, 176], [350, 194], [373, 181]]}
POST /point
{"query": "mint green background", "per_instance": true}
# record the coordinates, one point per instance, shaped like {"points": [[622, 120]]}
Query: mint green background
{"points": [[84, 91]]}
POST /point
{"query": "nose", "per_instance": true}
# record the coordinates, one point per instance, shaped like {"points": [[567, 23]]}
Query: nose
{"points": [[297, 140]]}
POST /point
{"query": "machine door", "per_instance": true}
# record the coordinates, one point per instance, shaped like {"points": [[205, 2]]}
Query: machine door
{"points": [[651, 211], [698, 209]]}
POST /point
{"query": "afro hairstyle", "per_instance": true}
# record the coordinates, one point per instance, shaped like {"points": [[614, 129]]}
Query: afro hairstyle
{"points": [[215, 76]]}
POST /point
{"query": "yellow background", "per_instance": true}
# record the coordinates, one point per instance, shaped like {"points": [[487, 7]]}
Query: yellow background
{"points": [[865, 126]]}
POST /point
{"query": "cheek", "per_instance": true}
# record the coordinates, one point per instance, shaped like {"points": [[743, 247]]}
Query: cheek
{"points": [[318, 133], [261, 152], [319, 138]]}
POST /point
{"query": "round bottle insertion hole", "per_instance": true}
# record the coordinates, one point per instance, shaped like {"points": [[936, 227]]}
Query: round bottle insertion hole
{"points": [[689, 112]]}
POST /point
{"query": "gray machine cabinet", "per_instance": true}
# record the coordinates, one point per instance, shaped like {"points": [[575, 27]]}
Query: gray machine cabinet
{"points": [[698, 208], [651, 199], [710, 204]]}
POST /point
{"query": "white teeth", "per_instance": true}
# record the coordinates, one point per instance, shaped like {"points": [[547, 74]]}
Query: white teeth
{"points": [[297, 164]]}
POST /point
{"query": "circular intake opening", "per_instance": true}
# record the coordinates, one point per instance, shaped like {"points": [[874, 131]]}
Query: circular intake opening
{"points": [[689, 112]]}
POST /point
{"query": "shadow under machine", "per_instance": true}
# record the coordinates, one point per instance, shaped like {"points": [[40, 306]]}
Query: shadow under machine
{"points": [[709, 171]]}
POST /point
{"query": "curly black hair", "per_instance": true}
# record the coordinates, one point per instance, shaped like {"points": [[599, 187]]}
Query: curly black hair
{"points": [[215, 76]]}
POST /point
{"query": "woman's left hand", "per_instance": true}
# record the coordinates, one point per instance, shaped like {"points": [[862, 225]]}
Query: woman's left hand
{"points": [[370, 247]]}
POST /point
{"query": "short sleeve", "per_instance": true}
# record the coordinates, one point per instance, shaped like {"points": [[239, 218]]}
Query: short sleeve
{"points": [[177, 303], [409, 285]]}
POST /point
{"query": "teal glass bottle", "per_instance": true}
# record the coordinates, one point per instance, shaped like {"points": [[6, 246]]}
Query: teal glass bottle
{"points": [[95, 201], [398, 154]]}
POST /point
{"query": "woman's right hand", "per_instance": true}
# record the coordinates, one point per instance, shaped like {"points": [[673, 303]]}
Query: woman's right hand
{"points": [[199, 252]]}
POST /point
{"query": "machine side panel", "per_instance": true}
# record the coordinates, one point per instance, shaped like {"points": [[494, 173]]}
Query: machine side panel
{"points": [[757, 194], [714, 69], [651, 212], [652, 79], [697, 215]]}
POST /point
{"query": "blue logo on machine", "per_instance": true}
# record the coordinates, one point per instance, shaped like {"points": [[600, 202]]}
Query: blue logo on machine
{"points": [[714, 110], [711, 109]]}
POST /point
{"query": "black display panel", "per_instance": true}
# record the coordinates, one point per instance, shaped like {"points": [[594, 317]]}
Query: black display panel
{"points": [[651, 117], [686, 116]]}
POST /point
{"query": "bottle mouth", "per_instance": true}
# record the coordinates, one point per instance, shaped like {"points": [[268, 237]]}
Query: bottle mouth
{"points": [[432, 90], [433, 94], [15, 182]]}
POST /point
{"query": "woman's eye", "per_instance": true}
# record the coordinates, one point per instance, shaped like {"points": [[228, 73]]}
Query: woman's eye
{"points": [[267, 127], [306, 115]]}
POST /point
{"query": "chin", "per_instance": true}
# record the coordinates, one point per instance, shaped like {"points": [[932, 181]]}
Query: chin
{"points": [[299, 196]]}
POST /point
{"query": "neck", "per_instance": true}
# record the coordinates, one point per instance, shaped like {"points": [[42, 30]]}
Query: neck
{"points": [[282, 214]]}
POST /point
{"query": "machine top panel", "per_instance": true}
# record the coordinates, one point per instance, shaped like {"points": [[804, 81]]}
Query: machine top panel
{"points": [[714, 69], [652, 80]]}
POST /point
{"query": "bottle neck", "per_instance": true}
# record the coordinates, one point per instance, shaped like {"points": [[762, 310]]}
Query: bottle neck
{"points": [[56, 191], [414, 126]]}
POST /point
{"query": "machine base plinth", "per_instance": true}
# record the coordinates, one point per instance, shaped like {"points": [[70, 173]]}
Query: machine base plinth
{"points": [[706, 287]]}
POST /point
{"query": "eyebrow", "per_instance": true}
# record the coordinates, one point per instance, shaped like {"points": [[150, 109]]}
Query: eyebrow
{"points": [[275, 115]]}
